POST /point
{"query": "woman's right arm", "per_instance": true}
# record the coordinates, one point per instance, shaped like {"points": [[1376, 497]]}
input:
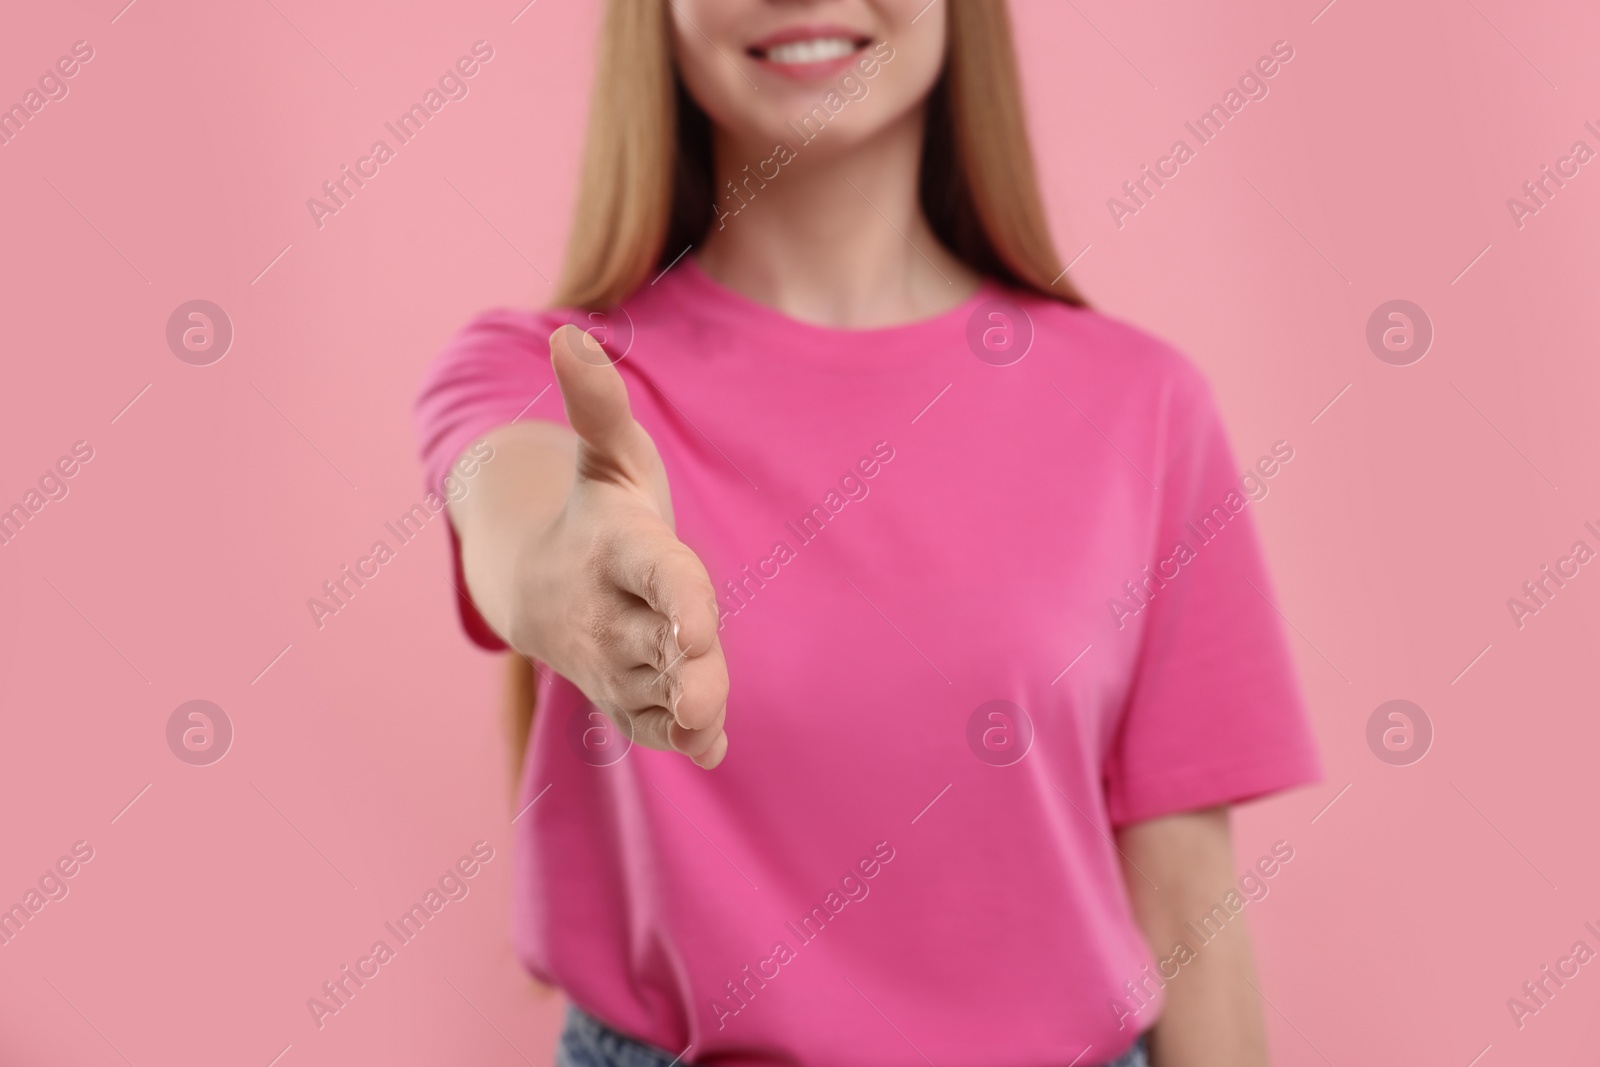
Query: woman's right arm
{"points": [[569, 553]]}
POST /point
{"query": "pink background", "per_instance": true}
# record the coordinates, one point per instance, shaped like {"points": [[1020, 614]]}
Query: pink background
{"points": [[369, 756]]}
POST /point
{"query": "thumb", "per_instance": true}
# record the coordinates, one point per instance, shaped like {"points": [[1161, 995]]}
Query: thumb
{"points": [[613, 446]]}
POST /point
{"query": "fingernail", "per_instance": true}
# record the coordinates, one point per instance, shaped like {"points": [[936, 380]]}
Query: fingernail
{"points": [[675, 639], [713, 753], [589, 342]]}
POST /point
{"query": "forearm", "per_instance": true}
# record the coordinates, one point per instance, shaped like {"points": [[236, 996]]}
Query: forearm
{"points": [[1212, 1016], [512, 501]]}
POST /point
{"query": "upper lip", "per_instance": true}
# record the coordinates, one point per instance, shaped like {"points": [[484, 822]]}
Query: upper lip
{"points": [[807, 33]]}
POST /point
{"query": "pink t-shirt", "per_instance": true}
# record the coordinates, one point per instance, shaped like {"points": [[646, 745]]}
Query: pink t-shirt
{"points": [[990, 588]]}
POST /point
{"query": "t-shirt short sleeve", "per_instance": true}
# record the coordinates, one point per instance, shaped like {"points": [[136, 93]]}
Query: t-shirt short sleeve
{"points": [[494, 372], [1214, 714]]}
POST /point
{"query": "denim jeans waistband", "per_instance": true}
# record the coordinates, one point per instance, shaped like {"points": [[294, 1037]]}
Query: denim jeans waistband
{"points": [[587, 1042]]}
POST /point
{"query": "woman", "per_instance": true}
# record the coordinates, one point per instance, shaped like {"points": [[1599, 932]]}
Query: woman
{"points": [[837, 426]]}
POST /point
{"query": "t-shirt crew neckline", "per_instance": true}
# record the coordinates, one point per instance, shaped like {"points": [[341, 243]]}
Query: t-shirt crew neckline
{"points": [[901, 338]]}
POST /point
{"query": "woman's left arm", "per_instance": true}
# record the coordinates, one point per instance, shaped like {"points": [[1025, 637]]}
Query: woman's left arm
{"points": [[1212, 1017]]}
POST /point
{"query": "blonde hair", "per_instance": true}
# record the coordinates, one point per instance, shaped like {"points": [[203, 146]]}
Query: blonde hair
{"points": [[646, 190]]}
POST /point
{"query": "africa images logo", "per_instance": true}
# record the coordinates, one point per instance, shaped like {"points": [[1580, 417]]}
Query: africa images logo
{"points": [[1140, 591], [853, 887], [736, 593]]}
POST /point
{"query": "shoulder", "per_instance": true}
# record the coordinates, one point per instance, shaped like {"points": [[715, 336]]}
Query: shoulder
{"points": [[512, 327], [506, 333], [499, 353], [1110, 344], [1115, 356], [501, 343]]}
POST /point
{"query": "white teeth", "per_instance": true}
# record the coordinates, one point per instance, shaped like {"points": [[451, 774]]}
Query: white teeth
{"points": [[816, 50]]}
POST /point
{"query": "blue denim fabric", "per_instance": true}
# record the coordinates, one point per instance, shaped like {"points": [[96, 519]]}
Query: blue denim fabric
{"points": [[588, 1042]]}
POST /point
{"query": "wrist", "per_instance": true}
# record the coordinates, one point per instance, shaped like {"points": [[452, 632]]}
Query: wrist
{"points": [[529, 592]]}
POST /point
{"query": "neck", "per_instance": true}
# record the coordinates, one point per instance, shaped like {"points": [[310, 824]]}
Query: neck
{"points": [[837, 239]]}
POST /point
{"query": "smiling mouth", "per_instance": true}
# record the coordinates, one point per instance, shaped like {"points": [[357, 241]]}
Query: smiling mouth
{"points": [[810, 50]]}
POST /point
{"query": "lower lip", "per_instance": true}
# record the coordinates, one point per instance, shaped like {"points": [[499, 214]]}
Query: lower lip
{"points": [[811, 72]]}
